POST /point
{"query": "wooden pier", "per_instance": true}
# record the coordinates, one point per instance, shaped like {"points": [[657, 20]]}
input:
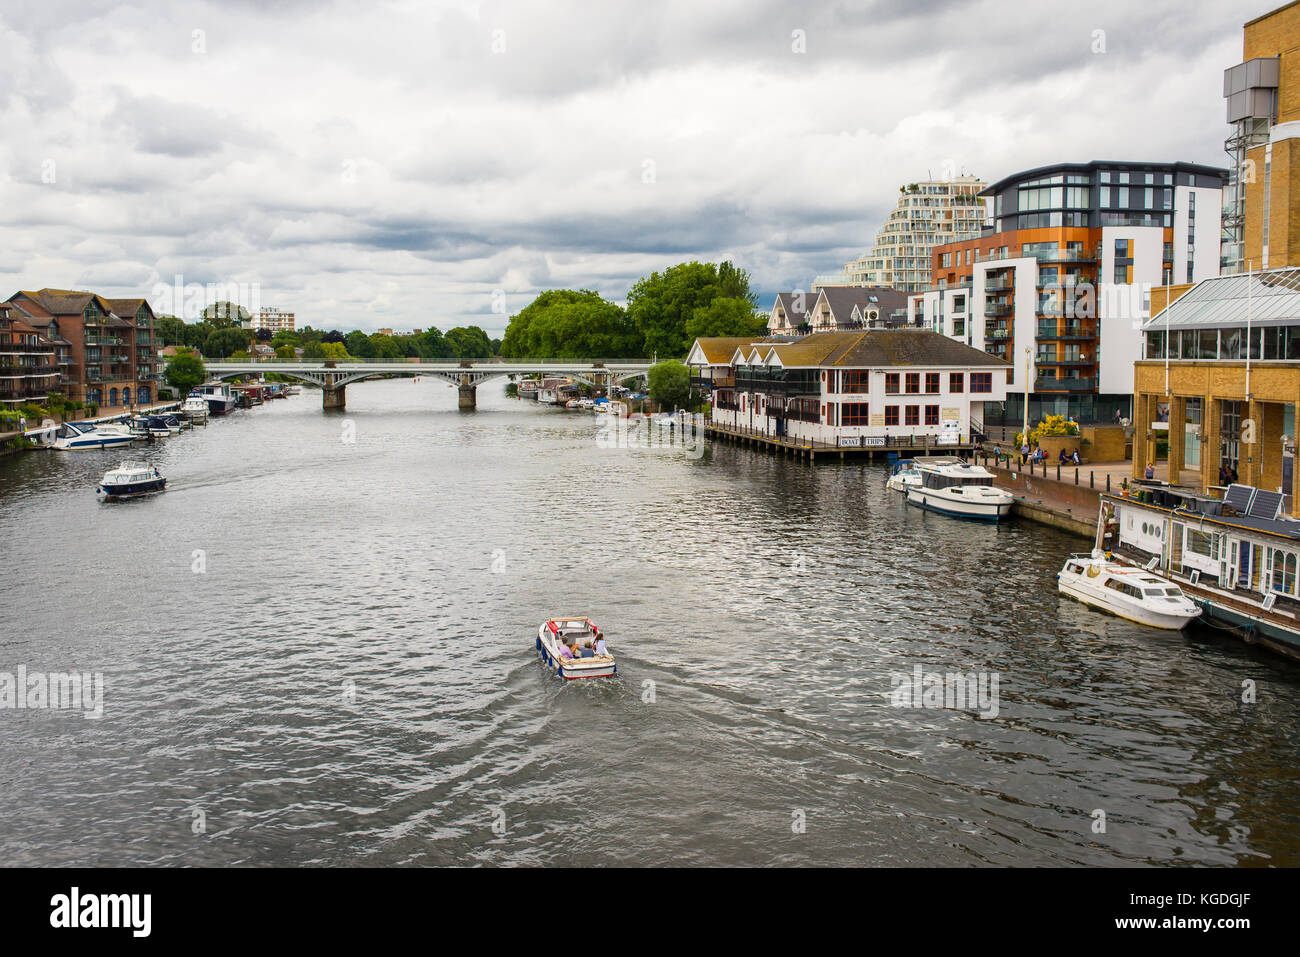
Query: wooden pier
{"points": [[811, 451]]}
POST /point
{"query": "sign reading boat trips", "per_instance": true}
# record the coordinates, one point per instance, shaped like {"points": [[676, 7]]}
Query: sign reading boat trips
{"points": [[853, 440], [873, 440]]}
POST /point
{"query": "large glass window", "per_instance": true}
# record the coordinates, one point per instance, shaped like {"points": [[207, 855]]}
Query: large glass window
{"points": [[913, 383], [854, 413], [912, 415]]}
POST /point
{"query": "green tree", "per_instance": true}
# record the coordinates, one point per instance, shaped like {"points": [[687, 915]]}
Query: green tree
{"points": [[661, 305], [359, 345], [385, 347], [185, 370], [222, 342], [226, 315], [432, 345], [469, 342], [670, 383], [334, 350], [568, 323], [313, 350], [285, 351], [170, 329], [726, 316]]}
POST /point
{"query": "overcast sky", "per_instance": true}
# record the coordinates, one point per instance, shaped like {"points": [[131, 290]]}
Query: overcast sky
{"points": [[394, 164]]}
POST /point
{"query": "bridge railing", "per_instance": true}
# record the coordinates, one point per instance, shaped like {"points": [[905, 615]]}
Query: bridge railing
{"points": [[415, 360]]}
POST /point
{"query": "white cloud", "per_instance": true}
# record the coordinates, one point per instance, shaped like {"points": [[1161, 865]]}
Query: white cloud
{"points": [[379, 165]]}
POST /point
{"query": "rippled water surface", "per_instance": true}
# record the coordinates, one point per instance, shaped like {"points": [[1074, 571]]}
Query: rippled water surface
{"points": [[351, 678]]}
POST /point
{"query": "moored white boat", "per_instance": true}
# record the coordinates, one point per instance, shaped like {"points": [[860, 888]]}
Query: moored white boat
{"points": [[130, 480], [195, 407], [85, 436], [1127, 591], [580, 630], [959, 489]]}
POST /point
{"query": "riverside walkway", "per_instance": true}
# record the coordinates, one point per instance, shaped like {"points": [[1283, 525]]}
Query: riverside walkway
{"points": [[334, 375]]}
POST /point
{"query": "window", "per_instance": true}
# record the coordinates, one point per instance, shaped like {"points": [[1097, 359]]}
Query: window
{"points": [[913, 383], [854, 413], [956, 382], [931, 383], [912, 415], [891, 383], [855, 382], [1284, 571], [931, 415], [891, 415], [981, 381]]}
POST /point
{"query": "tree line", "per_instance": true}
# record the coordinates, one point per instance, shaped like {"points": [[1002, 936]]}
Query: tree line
{"points": [[665, 313]]}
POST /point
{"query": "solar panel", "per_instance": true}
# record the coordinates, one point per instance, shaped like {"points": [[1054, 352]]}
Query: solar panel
{"points": [[1238, 498], [1265, 504]]}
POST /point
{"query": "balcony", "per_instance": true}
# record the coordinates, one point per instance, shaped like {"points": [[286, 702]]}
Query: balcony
{"points": [[999, 309], [997, 334], [1064, 385], [1065, 256], [997, 285]]}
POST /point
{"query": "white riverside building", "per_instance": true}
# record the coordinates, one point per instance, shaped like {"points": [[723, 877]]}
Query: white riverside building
{"points": [[857, 387]]}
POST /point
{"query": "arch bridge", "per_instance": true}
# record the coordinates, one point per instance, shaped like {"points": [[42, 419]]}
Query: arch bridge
{"points": [[333, 375]]}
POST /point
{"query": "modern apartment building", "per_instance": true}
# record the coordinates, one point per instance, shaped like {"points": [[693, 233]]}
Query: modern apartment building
{"points": [[106, 350], [928, 214], [273, 319], [28, 367], [1060, 283]]}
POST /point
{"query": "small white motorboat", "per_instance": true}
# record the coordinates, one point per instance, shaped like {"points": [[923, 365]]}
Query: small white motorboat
{"points": [[904, 475], [130, 480], [86, 436], [582, 662], [959, 489], [1127, 591], [195, 407]]}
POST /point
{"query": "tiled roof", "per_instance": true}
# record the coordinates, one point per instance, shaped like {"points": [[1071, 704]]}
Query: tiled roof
{"points": [[873, 348], [718, 350], [791, 300], [842, 299]]}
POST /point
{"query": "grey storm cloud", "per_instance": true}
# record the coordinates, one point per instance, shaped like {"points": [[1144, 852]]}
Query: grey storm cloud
{"points": [[362, 161]]}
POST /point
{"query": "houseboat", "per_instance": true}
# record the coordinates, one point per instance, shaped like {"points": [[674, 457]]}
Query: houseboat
{"points": [[1127, 591], [219, 397], [86, 436], [551, 634], [1235, 557], [130, 480], [959, 489]]}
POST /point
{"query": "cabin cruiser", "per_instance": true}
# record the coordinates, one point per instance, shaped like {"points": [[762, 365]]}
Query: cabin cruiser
{"points": [[557, 631], [195, 406], [84, 436], [959, 489], [1128, 591], [219, 397], [129, 480], [905, 474]]}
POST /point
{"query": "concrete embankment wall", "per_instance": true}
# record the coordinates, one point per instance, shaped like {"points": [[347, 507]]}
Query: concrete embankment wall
{"points": [[1063, 505]]}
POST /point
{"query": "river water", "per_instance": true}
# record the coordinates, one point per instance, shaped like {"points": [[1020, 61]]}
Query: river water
{"points": [[318, 648]]}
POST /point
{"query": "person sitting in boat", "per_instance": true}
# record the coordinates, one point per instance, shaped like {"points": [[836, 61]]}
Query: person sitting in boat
{"points": [[587, 652], [600, 648], [565, 651]]}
